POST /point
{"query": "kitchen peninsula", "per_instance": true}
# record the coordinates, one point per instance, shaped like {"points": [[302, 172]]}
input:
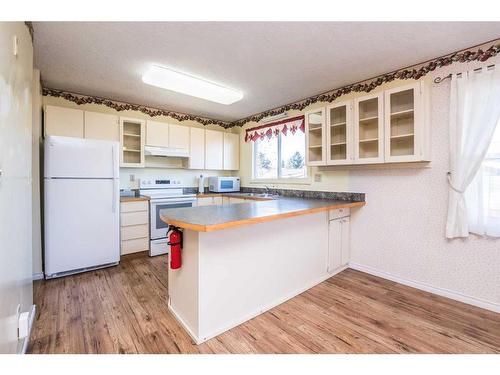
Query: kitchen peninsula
{"points": [[240, 260]]}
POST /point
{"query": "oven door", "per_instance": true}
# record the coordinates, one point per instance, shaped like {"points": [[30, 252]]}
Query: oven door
{"points": [[158, 227]]}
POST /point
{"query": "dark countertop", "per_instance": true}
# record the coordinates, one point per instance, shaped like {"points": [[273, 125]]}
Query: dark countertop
{"points": [[217, 217]]}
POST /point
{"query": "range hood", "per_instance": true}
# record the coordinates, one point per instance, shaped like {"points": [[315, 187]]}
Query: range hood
{"points": [[166, 152]]}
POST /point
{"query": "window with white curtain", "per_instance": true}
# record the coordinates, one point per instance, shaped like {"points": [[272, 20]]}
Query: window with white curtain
{"points": [[483, 194]]}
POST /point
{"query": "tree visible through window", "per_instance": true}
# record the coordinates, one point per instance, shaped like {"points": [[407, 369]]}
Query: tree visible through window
{"points": [[280, 157]]}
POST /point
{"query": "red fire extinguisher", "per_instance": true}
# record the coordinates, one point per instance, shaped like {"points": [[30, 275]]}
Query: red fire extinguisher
{"points": [[175, 242]]}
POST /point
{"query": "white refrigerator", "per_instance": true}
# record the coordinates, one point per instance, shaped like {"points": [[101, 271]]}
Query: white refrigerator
{"points": [[81, 206]]}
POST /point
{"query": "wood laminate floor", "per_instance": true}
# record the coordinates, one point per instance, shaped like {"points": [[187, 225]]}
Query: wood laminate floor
{"points": [[123, 310]]}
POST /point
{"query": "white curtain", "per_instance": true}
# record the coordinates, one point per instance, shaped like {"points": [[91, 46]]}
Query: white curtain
{"points": [[474, 113], [483, 194]]}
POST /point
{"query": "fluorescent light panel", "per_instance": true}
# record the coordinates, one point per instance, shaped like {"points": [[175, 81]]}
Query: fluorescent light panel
{"points": [[172, 80]]}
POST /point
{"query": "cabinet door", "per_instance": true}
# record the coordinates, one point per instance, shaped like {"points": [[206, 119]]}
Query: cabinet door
{"points": [[62, 121], [205, 201], [236, 200], [178, 136], [315, 137], [102, 126], [334, 245], [157, 134], [369, 129], [404, 123], [339, 137], [132, 139], [214, 146], [346, 241], [196, 148], [231, 151]]}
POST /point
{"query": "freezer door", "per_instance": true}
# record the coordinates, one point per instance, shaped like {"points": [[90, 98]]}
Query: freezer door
{"points": [[68, 157], [81, 224]]}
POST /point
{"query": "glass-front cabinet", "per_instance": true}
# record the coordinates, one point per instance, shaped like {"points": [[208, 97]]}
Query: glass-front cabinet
{"points": [[132, 139], [403, 123], [369, 129], [389, 126], [339, 137], [315, 137]]}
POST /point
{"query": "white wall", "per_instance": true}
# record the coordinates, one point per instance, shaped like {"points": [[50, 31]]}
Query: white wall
{"points": [[401, 230], [16, 286], [35, 167]]}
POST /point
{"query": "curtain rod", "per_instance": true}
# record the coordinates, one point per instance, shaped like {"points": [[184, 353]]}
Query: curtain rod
{"points": [[441, 79]]}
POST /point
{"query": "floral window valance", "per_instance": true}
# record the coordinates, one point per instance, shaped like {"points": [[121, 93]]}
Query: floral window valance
{"points": [[273, 129]]}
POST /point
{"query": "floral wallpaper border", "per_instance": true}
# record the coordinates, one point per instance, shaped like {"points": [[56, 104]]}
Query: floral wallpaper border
{"points": [[463, 56], [122, 106]]}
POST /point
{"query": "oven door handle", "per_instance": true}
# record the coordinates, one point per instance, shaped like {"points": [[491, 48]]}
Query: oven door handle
{"points": [[172, 201]]}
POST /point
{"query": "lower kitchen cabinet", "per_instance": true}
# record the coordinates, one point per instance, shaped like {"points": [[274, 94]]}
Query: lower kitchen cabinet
{"points": [[338, 240], [134, 221], [209, 201], [236, 200]]}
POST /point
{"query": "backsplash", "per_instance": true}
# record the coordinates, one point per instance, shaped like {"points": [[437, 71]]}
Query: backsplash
{"points": [[340, 196]]}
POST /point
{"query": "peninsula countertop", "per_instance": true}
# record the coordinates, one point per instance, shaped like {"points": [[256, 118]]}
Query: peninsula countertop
{"points": [[217, 217]]}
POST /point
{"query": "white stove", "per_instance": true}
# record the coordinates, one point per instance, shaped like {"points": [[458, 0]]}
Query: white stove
{"points": [[164, 194]]}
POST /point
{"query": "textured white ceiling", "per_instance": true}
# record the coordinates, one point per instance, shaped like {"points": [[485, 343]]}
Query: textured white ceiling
{"points": [[273, 63]]}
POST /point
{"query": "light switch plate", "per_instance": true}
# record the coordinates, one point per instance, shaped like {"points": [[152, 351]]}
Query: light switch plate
{"points": [[24, 325], [15, 45]]}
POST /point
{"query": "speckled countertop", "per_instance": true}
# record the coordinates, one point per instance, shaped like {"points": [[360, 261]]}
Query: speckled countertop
{"points": [[217, 217]]}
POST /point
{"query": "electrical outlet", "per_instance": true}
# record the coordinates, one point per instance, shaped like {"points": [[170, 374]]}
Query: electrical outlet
{"points": [[132, 177], [317, 177]]}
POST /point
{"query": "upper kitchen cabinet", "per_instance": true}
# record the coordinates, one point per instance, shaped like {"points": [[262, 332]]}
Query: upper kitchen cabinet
{"points": [[102, 126], [369, 129], [196, 148], [339, 134], [157, 134], [132, 139], [178, 136], [404, 124], [214, 150], [62, 121], [315, 137], [231, 151]]}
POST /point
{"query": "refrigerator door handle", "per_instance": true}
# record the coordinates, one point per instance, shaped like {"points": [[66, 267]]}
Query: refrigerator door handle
{"points": [[115, 187]]}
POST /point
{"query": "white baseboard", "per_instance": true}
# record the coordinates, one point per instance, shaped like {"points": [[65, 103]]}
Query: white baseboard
{"points": [[27, 338], [488, 305], [38, 276]]}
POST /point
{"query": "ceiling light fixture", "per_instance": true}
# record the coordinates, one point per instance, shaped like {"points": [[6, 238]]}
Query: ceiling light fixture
{"points": [[172, 80]]}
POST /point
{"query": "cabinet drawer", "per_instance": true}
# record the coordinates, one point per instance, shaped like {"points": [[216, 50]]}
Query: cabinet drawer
{"points": [[135, 231], [217, 200], [134, 206], [341, 212], [134, 218], [135, 245]]}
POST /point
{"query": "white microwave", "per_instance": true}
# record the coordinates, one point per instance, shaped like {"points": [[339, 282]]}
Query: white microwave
{"points": [[223, 184]]}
